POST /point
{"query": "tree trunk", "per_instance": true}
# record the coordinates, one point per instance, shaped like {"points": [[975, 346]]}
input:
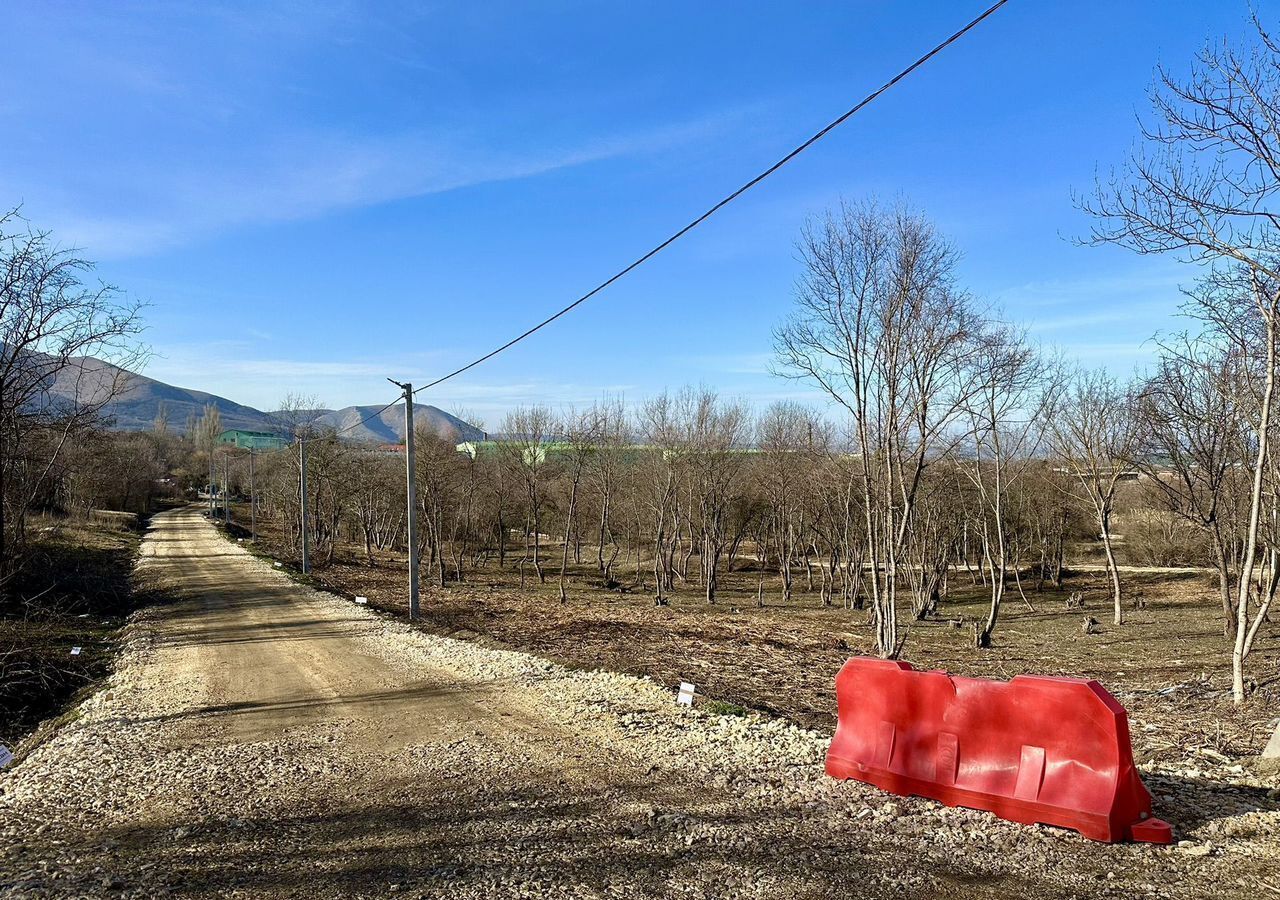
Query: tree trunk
{"points": [[1104, 521], [568, 530], [1238, 651], [997, 585], [710, 559], [1224, 583], [604, 527], [502, 540], [537, 539]]}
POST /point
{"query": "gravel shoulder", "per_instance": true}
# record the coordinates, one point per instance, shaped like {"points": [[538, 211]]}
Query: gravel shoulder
{"points": [[262, 739]]}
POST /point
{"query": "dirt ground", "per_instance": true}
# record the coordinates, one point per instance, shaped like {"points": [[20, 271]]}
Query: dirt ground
{"points": [[1169, 664], [74, 591], [261, 739]]}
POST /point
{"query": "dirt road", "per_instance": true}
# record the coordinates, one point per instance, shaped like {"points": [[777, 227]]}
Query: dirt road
{"points": [[261, 739]]}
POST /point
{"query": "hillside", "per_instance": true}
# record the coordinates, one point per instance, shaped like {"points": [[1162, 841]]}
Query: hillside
{"points": [[388, 426], [143, 398]]}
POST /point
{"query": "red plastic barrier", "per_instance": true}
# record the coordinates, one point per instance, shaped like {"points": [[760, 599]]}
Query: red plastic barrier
{"points": [[1049, 750]]}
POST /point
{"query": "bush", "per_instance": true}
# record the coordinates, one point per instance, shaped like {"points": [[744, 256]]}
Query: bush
{"points": [[1159, 539]]}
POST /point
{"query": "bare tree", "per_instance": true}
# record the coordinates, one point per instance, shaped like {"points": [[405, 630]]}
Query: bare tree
{"points": [[715, 432], [1194, 443], [580, 433], [528, 431], [604, 469], [465, 533], [439, 489], [881, 327], [1050, 515], [298, 418], [790, 439], [1204, 186], [207, 428], [663, 472], [51, 321], [1095, 435], [378, 488], [204, 436], [1004, 416]]}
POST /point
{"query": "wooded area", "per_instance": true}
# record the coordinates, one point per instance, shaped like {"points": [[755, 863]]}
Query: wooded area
{"points": [[957, 448]]}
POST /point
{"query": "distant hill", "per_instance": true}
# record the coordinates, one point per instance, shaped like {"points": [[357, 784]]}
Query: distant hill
{"points": [[140, 403], [388, 426]]}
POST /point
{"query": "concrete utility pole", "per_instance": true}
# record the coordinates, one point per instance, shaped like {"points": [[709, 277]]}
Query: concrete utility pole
{"points": [[302, 487], [213, 510], [226, 488], [253, 501], [411, 477]]}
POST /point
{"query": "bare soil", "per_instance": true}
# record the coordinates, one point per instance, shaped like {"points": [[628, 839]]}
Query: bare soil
{"points": [[1169, 664], [74, 591], [262, 739]]}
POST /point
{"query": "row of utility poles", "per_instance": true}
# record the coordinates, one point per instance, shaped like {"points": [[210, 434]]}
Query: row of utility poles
{"points": [[411, 497], [226, 492]]}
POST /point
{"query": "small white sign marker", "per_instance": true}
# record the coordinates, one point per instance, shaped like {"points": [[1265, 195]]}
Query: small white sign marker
{"points": [[6, 756], [279, 565], [363, 601], [75, 651], [685, 695]]}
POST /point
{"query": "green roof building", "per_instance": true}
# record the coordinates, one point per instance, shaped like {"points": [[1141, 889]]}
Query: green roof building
{"points": [[252, 440]]}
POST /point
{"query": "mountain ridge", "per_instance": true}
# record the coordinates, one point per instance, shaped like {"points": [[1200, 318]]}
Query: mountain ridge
{"points": [[140, 402]]}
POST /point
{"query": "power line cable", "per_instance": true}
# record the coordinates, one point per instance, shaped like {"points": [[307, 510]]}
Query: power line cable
{"points": [[369, 418], [817, 136]]}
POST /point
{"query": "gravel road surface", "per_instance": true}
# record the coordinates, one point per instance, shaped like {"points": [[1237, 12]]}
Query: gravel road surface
{"points": [[262, 739]]}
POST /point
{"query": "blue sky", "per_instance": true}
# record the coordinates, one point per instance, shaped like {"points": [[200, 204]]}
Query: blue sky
{"points": [[313, 197]]}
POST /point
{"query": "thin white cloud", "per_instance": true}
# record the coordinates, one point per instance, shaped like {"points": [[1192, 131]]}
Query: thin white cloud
{"points": [[305, 176], [1143, 283], [227, 369], [230, 369], [1138, 314], [1110, 352], [207, 364]]}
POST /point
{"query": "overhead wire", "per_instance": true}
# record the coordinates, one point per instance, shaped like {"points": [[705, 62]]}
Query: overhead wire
{"points": [[370, 417], [721, 204]]}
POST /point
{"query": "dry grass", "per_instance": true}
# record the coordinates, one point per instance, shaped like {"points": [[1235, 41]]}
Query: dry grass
{"points": [[73, 592], [1169, 664]]}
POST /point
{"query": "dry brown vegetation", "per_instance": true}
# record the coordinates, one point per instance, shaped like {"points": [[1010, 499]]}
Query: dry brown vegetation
{"points": [[73, 591], [1167, 663]]}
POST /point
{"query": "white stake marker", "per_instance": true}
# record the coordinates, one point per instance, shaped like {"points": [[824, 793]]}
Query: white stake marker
{"points": [[6, 756], [75, 651], [362, 600], [685, 696]]}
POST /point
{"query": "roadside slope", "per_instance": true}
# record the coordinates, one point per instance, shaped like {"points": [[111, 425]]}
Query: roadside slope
{"points": [[265, 739]]}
